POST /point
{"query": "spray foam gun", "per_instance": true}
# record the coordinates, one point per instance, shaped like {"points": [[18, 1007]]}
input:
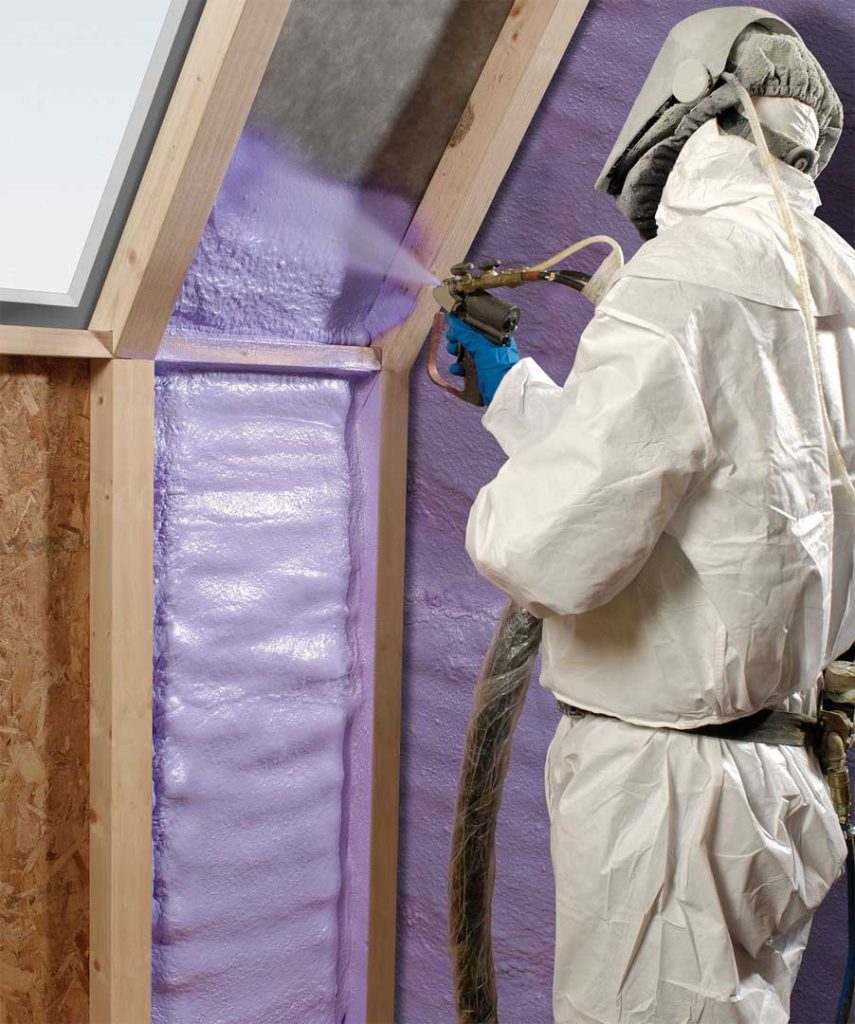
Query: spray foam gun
{"points": [[467, 295]]}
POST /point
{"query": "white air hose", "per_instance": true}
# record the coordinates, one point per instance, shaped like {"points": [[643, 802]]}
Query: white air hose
{"points": [[575, 247], [805, 297], [595, 288]]}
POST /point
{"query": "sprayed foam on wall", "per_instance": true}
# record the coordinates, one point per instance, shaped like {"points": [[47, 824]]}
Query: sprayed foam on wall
{"points": [[256, 687], [352, 115], [284, 253]]}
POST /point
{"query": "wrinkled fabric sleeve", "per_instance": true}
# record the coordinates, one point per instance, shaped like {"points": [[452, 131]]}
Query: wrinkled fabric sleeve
{"points": [[526, 404], [595, 469]]}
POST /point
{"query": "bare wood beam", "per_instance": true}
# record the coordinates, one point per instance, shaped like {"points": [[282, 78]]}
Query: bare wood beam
{"points": [[206, 114], [511, 86], [121, 613], [51, 341], [386, 744], [503, 102], [240, 353]]}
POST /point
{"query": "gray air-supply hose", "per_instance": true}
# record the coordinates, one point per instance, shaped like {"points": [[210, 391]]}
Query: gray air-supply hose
{"points": [[499, 696]]}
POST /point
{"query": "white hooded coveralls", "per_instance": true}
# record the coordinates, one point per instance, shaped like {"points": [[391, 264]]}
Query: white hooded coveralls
{"points": [[671, 514]]}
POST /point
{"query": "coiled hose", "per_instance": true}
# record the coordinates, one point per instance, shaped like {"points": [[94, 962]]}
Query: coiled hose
{"points": [[499, 696]]}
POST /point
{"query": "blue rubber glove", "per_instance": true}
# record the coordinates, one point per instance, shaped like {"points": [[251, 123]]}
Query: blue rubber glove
{"points": [[492, 362]]}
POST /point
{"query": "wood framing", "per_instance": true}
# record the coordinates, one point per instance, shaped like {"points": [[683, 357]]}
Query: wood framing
{"points": [[121, 624], [237, 353], [50, 341], [386, 745], [207, 112], [506, 96]]}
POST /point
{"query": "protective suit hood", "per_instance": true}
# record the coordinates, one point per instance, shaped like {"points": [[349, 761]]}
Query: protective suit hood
{"points": [[718, 228]]}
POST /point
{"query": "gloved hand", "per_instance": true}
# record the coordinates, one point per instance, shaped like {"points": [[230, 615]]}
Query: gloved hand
{"points": [[492, 362]]}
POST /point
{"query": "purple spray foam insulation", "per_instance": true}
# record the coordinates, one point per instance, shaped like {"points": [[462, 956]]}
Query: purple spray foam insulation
{"points": [[261, 799], [291, 254]]}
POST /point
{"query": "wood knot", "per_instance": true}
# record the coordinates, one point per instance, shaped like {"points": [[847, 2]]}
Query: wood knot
{"points": [[467, 119]]}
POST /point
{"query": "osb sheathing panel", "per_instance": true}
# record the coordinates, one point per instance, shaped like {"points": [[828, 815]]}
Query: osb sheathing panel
{"points": [[44, 689]]}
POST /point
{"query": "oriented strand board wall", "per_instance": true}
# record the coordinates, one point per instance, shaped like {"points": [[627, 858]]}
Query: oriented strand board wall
{"points": [[44, 690]]}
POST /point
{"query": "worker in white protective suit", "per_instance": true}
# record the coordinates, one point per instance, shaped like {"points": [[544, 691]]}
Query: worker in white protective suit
{"points": [[680, 516]]}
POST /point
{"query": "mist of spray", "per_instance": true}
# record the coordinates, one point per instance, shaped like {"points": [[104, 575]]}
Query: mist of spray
{"points": [[373, 250], [318, 221]]}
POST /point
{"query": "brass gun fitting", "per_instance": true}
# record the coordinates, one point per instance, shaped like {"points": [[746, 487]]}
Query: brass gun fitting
{"points": [[452, 293], [464, 282]]}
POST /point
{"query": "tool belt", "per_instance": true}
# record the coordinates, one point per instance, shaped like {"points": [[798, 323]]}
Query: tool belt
{"points": [[781, 728]]}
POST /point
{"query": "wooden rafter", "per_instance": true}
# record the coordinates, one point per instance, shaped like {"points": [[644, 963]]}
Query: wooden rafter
{"points": [[207, 112], [503, 102]]}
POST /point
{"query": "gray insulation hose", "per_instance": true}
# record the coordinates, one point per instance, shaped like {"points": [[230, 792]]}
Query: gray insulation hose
{"points": [[498, 700]]}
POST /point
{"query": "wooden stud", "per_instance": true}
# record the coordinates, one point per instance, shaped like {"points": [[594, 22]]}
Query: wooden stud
{"points": [[121, 613], [391, 526], [50, 341], [503, 102], [207, 112], [508, 92]]}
